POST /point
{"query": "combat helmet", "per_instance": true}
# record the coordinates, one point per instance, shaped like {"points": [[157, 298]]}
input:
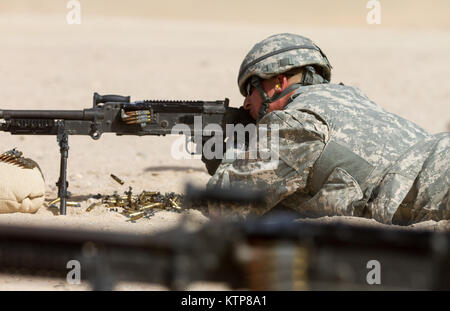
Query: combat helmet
{"points": [[281, 53]]}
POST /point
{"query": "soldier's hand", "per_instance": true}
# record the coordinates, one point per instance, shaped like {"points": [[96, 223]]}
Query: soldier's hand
{"points": [[238, 116], [211, 164], [232, 116]]}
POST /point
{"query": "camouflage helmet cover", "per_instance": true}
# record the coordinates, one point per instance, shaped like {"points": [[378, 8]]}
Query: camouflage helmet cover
{"points": [[281, 53]]}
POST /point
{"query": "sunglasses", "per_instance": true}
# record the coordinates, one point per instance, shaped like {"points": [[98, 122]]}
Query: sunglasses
{"points": [[254, 82], [249, 89]]}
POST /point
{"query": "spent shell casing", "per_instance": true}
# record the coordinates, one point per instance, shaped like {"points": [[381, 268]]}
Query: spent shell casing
{"points": [[145, 196], [136, 216], [73, 204], [149, 206], [110, 201], [150, 193], [174, 204], [54, 201], [91, 207], [120, 181]]}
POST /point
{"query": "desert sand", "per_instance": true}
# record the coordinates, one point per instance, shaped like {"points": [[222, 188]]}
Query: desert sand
{"points": [[402, 65]]}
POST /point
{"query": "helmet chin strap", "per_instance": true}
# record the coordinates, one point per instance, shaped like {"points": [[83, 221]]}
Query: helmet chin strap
{"points": [[266, 101], [309, 77]]}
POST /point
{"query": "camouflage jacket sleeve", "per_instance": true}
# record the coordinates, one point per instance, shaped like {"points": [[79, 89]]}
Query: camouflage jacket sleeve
{"points": [[428, 166], [301, 139]]}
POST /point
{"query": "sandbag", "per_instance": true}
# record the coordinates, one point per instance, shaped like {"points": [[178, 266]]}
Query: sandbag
{"points": [[22, 186]]}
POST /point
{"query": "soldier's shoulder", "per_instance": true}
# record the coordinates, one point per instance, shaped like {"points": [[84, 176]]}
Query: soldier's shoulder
{"points": [[297, 121], [325, 94], [291, 117], [329, 90]]}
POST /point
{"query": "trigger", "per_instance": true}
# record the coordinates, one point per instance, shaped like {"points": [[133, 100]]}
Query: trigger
{"points": [[189, 139]]}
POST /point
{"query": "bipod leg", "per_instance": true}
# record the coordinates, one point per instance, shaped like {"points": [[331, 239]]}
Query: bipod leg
{"points": [[63, 141]]}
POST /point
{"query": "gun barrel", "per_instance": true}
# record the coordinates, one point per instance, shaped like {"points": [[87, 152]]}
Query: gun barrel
{"points": [[49, 114]]}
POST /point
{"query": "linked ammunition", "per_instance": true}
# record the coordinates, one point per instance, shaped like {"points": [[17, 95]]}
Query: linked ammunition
{"points": [[134, 114], [13, 153], [138, 121], [137, 116], [14, 156]]}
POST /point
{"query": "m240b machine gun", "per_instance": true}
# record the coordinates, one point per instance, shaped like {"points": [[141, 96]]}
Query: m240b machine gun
{"points": [[256, 255], [276, 252], [113, 114]]}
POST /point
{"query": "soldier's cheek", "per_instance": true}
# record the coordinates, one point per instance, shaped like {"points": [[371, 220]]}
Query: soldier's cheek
{"points": [[254, 109], [275, 106]]}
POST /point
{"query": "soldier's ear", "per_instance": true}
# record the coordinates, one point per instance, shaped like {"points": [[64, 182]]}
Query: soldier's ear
{"points": [[278, 87], [281, 83]]}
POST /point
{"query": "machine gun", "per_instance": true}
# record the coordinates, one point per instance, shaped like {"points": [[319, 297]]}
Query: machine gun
{"points": [[271, 254], [276, 252], [115, 114]]}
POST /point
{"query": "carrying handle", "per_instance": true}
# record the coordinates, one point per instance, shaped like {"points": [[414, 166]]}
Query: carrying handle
{"points": [[100, 99]]}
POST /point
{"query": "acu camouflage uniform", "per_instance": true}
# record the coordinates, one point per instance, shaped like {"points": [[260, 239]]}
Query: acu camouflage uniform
{"points": [[341, 154]]}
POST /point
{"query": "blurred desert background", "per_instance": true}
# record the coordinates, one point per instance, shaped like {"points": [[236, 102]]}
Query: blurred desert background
{"points": [[192, 50]]}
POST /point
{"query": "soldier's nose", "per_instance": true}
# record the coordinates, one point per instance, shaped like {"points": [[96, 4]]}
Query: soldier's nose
{"points": [[247, 103]]}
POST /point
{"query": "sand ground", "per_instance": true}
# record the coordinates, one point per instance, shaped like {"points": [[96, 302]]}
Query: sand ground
{"points": [[48, 64]]}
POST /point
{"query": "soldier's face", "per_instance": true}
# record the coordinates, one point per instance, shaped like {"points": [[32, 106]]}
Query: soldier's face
{"points": [[272, 86]]}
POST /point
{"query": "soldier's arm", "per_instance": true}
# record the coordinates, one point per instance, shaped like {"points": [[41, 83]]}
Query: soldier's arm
{"points": [[301, 139]]}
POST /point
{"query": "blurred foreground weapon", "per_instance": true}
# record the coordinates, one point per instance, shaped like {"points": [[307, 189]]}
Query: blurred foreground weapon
{"points": [[274, 253], [116, 114]]}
